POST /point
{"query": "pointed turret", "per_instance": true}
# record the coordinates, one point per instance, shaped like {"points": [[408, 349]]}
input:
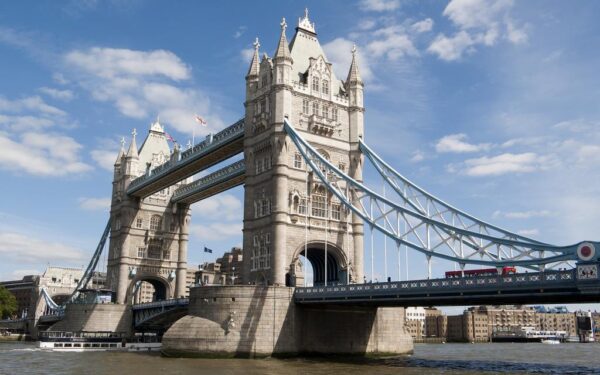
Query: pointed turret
{"points": [[253, 70], [133, 150], [121, 152], [353, 74], [283, 50]]}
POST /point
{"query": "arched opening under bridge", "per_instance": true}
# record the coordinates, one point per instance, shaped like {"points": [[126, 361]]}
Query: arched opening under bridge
{"points": [[309, 263], [149, 289]]}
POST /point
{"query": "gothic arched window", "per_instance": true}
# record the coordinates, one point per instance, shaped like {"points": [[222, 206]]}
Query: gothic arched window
{"points": [[155, 223], [325, 87], [315, 84]]}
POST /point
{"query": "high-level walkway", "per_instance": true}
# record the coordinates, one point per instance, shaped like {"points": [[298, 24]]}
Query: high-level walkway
{"points": [[214, 149]]}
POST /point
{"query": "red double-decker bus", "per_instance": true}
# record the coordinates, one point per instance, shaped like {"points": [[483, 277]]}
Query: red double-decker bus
{"points": [[480, 272]]}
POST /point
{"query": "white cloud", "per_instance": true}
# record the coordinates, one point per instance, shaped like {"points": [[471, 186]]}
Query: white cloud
{"points": [[456, 143], [417, 156], [339, 53], [246, 55], [367, 24], [24, 123], [502, 164], [41, 154], [380, 5], [142, 84], [523, 214], [27, 249], [216, 231], [105, 158], [479, 22], [451, 48], [422, 26], [29, 104], [529, 232], [222, 206], [391, 42], [239, 32], [94, 204], [114, 63], [65, 95]]}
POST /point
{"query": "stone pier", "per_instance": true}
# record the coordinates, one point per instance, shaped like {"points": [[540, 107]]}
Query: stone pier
{"points": [[96, 317], [258, 321]]}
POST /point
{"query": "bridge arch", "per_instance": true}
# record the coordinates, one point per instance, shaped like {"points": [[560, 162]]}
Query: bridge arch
{"points": [[314, 251], [161, 288]]}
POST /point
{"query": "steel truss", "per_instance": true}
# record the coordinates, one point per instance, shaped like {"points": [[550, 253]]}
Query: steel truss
{"points": [[428, 225], [53, 307]]}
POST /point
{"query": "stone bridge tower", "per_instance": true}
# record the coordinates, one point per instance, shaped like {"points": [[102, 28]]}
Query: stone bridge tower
{"points": [[288, 213], [149, 236]]}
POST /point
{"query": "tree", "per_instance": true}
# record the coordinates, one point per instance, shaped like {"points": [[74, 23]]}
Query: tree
{"points": [[8, 303]]}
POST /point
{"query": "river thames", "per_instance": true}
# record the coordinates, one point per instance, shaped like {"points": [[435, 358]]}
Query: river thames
{"points": [[505, 358]]}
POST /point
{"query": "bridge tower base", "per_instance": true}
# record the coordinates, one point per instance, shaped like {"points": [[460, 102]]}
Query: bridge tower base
{"points": [[96, 317], [259, 321]]}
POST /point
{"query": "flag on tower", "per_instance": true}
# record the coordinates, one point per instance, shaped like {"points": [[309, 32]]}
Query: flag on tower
{"points": [[207, 250], [200, 120], [170, 138]]}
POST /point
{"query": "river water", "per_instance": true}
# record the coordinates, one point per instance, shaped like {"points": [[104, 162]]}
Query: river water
{"points": [[500, 358]]}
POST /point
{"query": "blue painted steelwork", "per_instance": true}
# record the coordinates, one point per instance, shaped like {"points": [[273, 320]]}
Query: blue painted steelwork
{"points": [[425, 234], [52, 308], [145, 313], [549, 286], [228, 177], [227, 136]]}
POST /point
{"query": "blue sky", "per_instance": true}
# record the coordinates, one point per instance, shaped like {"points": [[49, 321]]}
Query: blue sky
{"points": [[493, 106]]}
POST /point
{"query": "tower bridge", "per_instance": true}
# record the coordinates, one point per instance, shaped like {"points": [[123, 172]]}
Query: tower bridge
{"points": [[304, 149]]}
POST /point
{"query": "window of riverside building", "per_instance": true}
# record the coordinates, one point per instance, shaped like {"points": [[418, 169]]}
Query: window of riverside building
{"points": [[315, 84], [155, 222], [334, 114], [325, 87], [297, 160], [325, 111], [315, 108]]}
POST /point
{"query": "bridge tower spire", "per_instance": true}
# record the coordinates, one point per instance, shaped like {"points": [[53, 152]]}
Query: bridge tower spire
{"points": [[285, 217]]}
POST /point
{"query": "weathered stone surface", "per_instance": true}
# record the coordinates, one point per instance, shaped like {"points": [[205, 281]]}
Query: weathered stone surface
{"points": [[95, 317], [254, 321]]}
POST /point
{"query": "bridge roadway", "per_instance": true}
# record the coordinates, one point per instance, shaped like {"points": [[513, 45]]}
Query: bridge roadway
{"points": [[522, 288], [214, 149]]}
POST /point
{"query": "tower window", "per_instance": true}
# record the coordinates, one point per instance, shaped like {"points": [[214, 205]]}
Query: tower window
{"points": [[154, 250], [315, 84], [167, 254], [302, 206], [264, 81], [305, 107], [335, 211], [141, 252], [297, 160], [155, 223], [139, 222], [325, 87], [319, 201]]}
